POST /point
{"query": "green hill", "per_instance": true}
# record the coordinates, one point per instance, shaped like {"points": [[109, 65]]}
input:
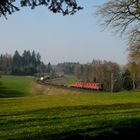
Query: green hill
{"points": [[66, 114], [13, 86]]}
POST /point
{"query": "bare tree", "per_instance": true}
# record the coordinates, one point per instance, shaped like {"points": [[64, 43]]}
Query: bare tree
{"points": [[121, 15], [134, 71], [107, 73], [134, 47], [56, 6]]}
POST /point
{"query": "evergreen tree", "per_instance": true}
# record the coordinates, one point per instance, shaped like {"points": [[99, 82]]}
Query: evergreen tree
{"points": [[17, 64], [34, 62], [27, 64], [5, 64], [49, 68]]}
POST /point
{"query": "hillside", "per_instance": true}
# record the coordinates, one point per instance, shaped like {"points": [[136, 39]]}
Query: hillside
{"points": [[65, 114], [14, 86]]}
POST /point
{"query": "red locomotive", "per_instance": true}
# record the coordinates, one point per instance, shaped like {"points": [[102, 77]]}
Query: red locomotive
{"points": [[85, 85]]}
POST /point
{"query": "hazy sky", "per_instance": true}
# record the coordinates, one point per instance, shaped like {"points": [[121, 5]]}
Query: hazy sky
{"points": [[60, 38]]}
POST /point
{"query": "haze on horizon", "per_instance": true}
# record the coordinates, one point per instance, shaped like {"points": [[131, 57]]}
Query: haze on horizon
{"points": [[77, 38]]}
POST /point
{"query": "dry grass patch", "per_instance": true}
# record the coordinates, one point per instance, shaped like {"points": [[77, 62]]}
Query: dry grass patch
{"points": [[37, 89]]}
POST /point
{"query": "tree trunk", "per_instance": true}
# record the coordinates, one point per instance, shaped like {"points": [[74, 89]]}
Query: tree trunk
{"points": [[112, 82], [134, 85]]}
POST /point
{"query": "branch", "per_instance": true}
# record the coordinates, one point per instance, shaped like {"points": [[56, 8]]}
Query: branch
{"points": [[66, 7], [6, 6], [120, 15]]}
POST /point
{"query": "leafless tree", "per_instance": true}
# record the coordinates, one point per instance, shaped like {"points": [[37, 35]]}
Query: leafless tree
{"points": [[121, 15], [134, 70], [134, 47], [99, 71]]}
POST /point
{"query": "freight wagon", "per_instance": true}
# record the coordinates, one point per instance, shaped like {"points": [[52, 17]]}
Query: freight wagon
{"points": [[85, 85]]}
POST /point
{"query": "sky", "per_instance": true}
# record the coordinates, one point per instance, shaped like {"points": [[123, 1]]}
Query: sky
{"points": [[58, 38]]}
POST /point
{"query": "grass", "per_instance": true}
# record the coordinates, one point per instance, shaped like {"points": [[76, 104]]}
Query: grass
{"points": [[66, 114], [12, 86], [70, 79], [80, 116]]}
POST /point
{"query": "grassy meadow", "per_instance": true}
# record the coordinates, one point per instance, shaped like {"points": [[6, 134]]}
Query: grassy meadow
{"points": [[65, 114], [12, 86]]}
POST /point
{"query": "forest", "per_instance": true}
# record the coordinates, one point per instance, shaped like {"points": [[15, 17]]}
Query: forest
{"points": [[113, 76], [28, 63]]}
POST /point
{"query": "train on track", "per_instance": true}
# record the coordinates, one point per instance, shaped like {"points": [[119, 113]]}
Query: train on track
{"points": [[85, 85], [78, 85]]}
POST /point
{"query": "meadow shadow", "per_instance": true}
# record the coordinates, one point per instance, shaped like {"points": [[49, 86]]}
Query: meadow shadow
{"points": [[7, 93], [124, 128]]}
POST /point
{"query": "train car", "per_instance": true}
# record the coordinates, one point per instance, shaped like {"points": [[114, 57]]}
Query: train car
{"points": [[85, 85]]}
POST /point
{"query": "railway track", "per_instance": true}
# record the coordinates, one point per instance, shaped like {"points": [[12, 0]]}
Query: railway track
{"points": [[47, 83]]}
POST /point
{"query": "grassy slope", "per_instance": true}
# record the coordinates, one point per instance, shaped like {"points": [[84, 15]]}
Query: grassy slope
{"points": [[69, 116], [15, 86], [66, 114]]}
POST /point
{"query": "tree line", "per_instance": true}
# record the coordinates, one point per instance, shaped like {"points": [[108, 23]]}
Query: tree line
{"points": [[66, 67], [28, 63], [113, 76], [104, 72], [123, 17]]}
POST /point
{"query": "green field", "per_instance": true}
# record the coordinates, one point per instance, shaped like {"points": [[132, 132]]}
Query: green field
{"points": [[66, 114], [12, 86]]}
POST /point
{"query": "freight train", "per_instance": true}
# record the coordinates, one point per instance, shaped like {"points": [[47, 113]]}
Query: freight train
{"points": [[85, 85]]}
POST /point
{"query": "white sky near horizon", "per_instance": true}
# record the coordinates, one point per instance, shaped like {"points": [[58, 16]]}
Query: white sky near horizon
{"points": [[77, 38]]}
